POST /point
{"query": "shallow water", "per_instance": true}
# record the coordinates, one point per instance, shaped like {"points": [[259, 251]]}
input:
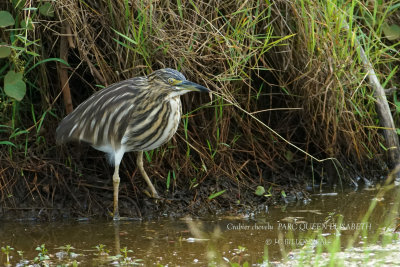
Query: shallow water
{"points": [[279, 232]]}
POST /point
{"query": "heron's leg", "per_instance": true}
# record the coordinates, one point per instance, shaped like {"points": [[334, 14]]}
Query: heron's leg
{"points": [[116, 189], [117, 161], [144, 174]]}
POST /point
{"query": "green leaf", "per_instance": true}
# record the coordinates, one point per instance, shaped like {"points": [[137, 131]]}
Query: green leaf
{"points": [[130, 40], [241, 249], [18, 3], [391, 32], [27, 24], [6, 19], [4, 50], [16, 133], [7, 143], [216, 194], [383, 146], [260, 190], [288, 155], [47, 60], [283, 193], [168, 180], [396, 103], [47, 9], [14, 86]]}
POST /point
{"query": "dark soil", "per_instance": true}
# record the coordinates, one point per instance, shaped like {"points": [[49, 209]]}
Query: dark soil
{"points": [[46, 189]]}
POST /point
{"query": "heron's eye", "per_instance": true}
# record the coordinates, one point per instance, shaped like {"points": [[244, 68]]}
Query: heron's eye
{"points": [[171, 81]]}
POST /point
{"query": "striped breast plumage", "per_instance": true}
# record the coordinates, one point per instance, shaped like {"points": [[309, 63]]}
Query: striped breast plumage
{"points": [[156, 128]]}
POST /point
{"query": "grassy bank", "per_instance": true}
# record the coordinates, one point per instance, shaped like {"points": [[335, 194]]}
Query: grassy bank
{"points": [[289, 91]]}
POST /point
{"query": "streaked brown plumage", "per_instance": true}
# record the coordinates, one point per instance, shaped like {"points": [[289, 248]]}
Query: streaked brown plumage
{"points": [[138, 114]]}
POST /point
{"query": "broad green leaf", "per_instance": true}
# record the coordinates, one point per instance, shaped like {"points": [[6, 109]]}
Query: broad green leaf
{"points": [[391, 32], [47, 9], [6, 19], [4, 50], [260, 190], [27, 24], [14, 86]]}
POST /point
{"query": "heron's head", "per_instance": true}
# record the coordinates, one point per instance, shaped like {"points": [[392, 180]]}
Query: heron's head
{"points": [[174, 81]]}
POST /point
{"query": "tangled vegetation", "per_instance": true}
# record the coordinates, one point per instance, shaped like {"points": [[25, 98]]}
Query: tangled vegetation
{"points": [[289, 91]]}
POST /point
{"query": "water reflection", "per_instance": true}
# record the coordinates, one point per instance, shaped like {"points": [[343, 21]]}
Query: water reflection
{"points": [[201, 241]]}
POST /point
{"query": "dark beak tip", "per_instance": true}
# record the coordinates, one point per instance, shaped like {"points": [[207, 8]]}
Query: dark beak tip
{"points": [[197, 87], [204, 89]]}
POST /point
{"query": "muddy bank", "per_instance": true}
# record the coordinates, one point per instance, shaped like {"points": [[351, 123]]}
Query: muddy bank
{"points": [[48, 190]]}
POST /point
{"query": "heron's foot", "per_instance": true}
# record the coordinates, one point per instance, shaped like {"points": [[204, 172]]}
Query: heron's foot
{"points": [[116, 216], [124, 219], [153, 194]]}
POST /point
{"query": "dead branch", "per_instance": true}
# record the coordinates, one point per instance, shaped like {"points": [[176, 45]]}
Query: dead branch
{"points": [[62, 71], [382, 108]]}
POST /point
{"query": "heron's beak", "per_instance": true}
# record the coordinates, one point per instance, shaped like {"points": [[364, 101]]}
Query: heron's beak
{"points": [[191, 86]]}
